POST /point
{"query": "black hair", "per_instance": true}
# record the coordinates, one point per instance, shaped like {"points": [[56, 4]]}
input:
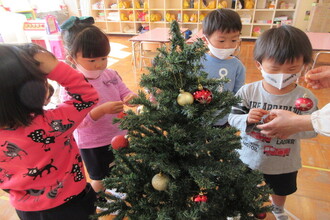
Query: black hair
{"points": [[283, 44], [87, 39], [224, 20], [51, 91], [22, 86]]}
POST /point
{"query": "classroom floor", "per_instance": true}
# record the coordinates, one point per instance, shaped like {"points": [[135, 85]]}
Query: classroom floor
{"points": [[310, 202]]}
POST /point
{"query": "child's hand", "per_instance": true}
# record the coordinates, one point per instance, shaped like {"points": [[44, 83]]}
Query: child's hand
{"points": [[128, 98], [112, 107], [47, 61], [106, 108], [269, 118], [255, 115]]}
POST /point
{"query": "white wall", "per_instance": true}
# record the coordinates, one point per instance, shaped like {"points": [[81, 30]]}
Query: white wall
{"points": [[305, 5]]}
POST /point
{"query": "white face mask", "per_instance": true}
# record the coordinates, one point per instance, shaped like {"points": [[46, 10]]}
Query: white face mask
{"points": [[280, 80], [89, 74], [220, 53]]}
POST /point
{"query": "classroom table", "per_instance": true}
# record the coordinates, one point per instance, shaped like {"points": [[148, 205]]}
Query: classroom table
{"points": [[320, 42], [194, 37], [156, 35]]}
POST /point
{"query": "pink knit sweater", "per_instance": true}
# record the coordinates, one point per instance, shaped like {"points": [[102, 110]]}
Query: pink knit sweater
{"points": [[93, 134]]}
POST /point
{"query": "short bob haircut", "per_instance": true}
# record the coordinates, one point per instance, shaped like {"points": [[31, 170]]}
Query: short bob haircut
{"points": [[283, 44], [87, 39], [22, 86], [223, 20]]}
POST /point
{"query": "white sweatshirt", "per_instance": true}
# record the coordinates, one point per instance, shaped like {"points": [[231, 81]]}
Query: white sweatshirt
{"points": [[321, 120]]}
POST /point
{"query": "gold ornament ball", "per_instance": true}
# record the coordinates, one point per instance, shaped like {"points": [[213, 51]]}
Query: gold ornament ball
{"points": [[160, 181], [185, 98]]}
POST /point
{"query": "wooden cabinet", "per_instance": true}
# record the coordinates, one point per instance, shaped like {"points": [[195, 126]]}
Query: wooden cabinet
{"points": [[130, 16]]}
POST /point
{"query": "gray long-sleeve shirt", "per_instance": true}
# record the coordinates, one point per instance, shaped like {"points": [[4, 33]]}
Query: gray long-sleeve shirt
{"points": [[269, 155]]}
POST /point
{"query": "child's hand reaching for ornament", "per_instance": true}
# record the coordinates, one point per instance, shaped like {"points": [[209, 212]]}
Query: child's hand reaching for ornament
{"points": [[268, 118], [128, 98], [106, 108], [255, 115]]}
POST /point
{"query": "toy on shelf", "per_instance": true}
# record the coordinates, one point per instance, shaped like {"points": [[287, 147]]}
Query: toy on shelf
{"points": [[201, 17], [98, 5], [137, 4], [46, 33], [170, 17], [240, 5], [143, 28], [113, 6], [195, 4], [143, 16], [147, 17], [211, 5], [193, 18], [203, 4], [154, 17], [223, 4], [246, 18], [30, 14], [272, 5], [101, 16], [131, 16], [249, 4], [123, 17], [123, 4], [186, 4], [286, 5], [256, 32], [263, 21], [191, 3], [145, 5], [185, 18], [287, 22], [113, 16]]}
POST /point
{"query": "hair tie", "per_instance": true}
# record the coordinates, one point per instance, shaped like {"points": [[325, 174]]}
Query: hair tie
{"points": [[73, 19]]}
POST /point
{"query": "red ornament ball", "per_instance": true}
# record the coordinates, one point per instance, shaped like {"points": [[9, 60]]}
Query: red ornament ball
{"points": [[261, 215], [200, 198], [121, 115], [203, 96], [304, 103], [119, 142]]}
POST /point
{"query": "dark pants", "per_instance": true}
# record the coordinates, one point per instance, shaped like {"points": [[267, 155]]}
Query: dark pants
{"points": [[79, 208], [282, 184]]}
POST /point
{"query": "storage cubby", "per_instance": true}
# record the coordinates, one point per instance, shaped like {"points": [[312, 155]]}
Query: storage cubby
{"points": [[127, 16]]}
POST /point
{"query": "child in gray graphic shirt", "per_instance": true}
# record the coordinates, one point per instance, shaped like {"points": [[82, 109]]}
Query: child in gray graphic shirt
{"points": [[281, 54]]}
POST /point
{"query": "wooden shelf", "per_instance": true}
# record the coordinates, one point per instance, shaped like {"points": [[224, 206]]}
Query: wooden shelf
{"points": [[254, 20]]}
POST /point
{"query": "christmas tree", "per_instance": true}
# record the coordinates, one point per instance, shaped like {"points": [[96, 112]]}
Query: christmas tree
{"points": [[178, 165]]}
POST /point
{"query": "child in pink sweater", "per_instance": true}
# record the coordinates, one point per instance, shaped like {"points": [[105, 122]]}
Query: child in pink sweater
{"points": [[88, 48], [40, 164]]}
